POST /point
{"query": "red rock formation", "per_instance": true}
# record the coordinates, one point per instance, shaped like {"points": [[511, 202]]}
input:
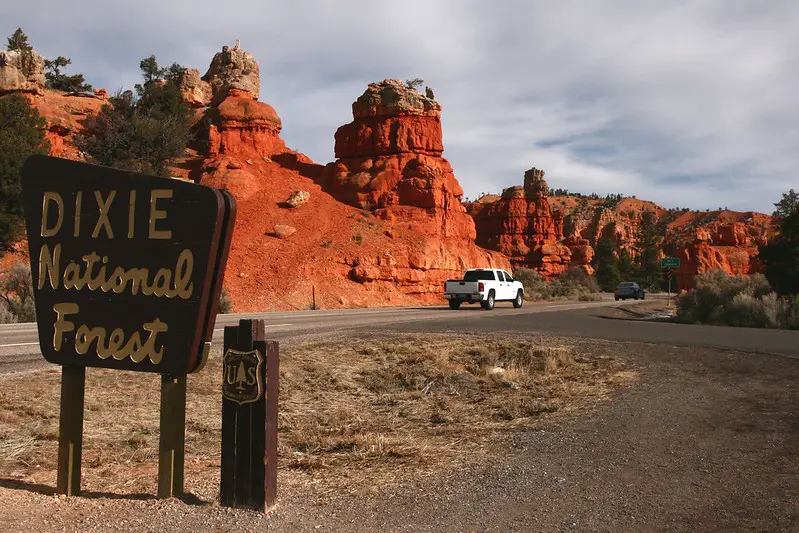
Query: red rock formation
{"points": [[389, 162], [522, 225], [416, 235], [728, 241], [240, 124], [21, 72], [703, 241]]}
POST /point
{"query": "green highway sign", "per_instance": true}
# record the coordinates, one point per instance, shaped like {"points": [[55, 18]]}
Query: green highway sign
{"points": [[670, 262]]}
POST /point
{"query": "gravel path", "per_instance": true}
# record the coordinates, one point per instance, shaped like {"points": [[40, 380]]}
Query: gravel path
{"points": [[706, 441]]}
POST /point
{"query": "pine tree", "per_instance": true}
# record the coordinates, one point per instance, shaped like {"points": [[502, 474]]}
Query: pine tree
{"points": [[22, 133], [788, 205], [144, 134], [648, 241], [607, 265], [61, 82], [626, 266], [19, 41], [415, 83], [780, 257]]}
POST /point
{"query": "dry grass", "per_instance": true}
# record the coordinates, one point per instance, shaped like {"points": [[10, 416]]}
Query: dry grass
{"points": [[351, 411]]}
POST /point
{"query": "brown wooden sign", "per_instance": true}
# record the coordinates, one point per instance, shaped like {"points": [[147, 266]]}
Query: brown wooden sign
{"points": [[127, 269]]}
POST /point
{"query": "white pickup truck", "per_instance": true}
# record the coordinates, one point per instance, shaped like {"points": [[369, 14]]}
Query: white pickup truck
{"points": [[484, 285]]}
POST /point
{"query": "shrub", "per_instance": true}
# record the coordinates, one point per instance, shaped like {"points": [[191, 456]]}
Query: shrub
{"points": [[225, 302], [716, 289], [6, 316], [535, 286], [575, 283], [16, 292], [143, 133], [743, 301]]}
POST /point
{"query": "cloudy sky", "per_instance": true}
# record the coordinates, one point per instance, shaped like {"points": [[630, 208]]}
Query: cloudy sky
{"points": [[686, 103]]}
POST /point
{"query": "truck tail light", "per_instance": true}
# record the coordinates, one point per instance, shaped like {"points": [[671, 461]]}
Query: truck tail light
{"points": [[481, 286]]}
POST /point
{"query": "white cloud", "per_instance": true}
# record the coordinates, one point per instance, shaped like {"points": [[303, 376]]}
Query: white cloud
{"points": [[684, 103]]}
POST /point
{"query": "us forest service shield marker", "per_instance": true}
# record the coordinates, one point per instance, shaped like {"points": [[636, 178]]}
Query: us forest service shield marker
{"points": [[243, 377]]}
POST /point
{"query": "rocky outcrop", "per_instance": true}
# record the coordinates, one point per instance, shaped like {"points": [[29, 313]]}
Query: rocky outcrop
{"points": [[196, 92], [382, 224], [522, 225], [233, 68], [21, 71], [65, 115], [730, 242], [702, 240]]}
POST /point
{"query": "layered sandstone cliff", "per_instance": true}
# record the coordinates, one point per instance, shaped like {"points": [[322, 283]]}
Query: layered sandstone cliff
{"points": [[702, 240], [725, 240], [389, 163]]}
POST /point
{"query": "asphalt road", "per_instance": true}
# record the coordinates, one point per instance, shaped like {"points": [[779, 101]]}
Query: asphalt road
{"points": [[19, 347]]}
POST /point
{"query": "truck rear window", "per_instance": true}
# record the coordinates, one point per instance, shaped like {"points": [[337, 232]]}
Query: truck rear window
{"points": [[479, 275]]}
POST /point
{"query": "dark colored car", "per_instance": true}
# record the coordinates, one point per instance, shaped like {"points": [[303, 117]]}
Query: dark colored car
{"points": [[629, 289]]}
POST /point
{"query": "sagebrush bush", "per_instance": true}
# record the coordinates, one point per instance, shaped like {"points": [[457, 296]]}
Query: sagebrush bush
{"points": [[743, 301], [6, 316], [16, 293], [575, 283], [225, 302]]}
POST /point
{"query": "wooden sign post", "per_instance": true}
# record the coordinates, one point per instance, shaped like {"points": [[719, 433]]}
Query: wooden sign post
{"points": [[249, 417], [127, 270]]}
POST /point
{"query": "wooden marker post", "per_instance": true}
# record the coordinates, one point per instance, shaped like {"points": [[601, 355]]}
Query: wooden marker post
{"points": [[171, 443], [70, 429], [249, 417]]}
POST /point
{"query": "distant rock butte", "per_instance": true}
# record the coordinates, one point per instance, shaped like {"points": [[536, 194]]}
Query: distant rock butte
{"points": [[522, 225], [703, 240], [725, 240]]}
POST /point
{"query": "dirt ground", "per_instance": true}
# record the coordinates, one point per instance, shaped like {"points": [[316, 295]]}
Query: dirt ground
{"points": [[695, 440]]}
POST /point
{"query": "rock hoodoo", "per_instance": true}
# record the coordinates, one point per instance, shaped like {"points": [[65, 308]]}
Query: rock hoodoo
{"points": [[389, 162], [522, 225]]}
